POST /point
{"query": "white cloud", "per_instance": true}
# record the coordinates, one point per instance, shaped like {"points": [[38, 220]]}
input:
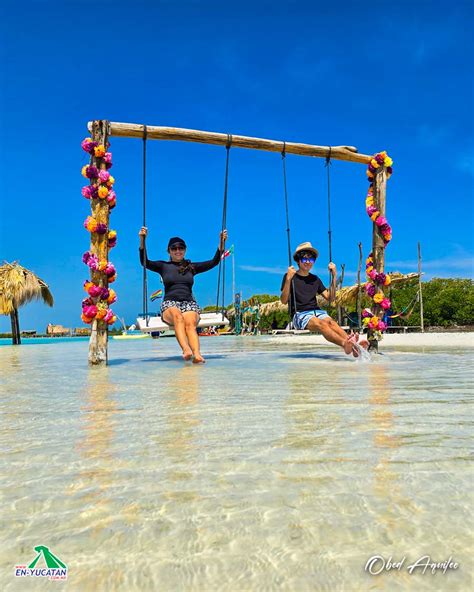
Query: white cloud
{"points": [[275, 270]]}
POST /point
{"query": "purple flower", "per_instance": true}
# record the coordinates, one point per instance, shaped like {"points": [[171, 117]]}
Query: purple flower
{"points": [[370, 289], [92, 172], [110, 269], [105, 294], [380, 158], [101, 228], [86, 257], [380, 279], [371, 210]]}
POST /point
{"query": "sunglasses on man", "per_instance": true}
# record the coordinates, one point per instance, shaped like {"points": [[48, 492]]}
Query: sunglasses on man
{"points": [[306, 259]]}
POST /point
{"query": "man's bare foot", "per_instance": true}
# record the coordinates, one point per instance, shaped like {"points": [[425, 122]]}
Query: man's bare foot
{"points": [[347, 346], [350, 346], [187, 354], [198, 359]]}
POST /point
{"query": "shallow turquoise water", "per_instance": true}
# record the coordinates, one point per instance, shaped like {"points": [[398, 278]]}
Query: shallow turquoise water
{"points": [[272, 467], [43, 340]]}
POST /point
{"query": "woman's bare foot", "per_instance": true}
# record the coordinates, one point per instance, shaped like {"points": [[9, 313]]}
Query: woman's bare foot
{"points": [[198, 359], [364, 343], [187, 354]]}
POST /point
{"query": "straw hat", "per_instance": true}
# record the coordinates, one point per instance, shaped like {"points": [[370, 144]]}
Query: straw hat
{"points": [[305, 247]]}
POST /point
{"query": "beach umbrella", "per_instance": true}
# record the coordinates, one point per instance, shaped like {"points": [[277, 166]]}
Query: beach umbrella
{"points": [[18, 286]]}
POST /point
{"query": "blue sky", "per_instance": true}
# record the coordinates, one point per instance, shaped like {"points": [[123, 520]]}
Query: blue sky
{"points": [[395, 77]]}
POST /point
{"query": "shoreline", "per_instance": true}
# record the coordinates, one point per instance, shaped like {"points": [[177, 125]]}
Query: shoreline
{"points": [[443, 340]]}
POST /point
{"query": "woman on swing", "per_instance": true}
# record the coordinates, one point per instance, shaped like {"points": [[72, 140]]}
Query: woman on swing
{"points": [[300, 288], [179, 307]]}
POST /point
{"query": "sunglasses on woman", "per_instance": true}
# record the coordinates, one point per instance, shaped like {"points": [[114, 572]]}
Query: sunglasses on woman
{"points": [[178, 248], [307, 259]]}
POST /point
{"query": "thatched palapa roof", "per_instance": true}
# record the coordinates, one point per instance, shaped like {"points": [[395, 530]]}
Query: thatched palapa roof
{"points": [[348, 296], [18, 286]]}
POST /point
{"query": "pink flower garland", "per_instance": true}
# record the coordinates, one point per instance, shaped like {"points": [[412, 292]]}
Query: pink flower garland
{"points": [[96, 306], [376, 280]]}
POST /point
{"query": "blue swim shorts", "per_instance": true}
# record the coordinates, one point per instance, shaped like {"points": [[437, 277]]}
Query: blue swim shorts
{"points": [[301, 319]]}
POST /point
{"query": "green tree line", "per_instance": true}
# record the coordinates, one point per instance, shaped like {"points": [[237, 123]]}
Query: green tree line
{"points": [[446, 303]]}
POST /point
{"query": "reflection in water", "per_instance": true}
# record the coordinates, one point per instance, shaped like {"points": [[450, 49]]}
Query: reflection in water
{"points": [[11, 374], [311, 410], [177, 442], [387, 489], [101, 466], [95, 479]]}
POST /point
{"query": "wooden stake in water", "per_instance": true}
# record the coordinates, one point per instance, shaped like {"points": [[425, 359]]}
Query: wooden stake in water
{"points": [[420, 291]]}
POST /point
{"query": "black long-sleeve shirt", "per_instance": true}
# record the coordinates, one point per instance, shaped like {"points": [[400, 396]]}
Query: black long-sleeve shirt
{"points": [[179, 286]]}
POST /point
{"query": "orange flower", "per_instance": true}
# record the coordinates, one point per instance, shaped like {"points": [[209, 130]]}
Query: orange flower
{"points": [[99, 151], [103, 192]]}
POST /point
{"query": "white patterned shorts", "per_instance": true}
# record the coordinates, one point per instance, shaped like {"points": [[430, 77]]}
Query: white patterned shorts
{"points": [[182, 305], [301, 319]]}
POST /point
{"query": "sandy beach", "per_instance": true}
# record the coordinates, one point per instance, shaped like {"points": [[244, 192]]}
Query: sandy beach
{"points": [[455, 340]]}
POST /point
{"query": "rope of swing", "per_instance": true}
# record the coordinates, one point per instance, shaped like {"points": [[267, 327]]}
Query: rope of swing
{"points": [[328, 172], [328, 168], [288, 238], [145, 283], [224, 222]]}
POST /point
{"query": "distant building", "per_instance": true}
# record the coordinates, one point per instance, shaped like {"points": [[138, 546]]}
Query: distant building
{"points": [[57, 330], [82, 331]]}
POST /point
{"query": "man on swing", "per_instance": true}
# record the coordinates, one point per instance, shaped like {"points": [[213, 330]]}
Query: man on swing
{"points": [[300, 288]]}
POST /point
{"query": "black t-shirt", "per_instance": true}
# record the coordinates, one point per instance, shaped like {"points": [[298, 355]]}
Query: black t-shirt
{"points": [[306, 288], [179, 286]]}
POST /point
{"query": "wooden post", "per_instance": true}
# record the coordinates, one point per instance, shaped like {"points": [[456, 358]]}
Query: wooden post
{"points": [[16, 339], [17, 322], [378, 245], [359, 298], [100, 247], [420, 290]]}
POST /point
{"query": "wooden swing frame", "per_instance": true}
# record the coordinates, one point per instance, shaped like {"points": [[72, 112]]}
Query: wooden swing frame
{"points": [[102, 130]]}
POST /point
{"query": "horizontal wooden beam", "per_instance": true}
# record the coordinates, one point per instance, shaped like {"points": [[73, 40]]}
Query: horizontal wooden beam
{"points": [[134, 130]]}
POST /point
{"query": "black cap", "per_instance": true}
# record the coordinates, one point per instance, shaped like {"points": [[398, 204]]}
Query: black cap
{"points": [[175, 240]]}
